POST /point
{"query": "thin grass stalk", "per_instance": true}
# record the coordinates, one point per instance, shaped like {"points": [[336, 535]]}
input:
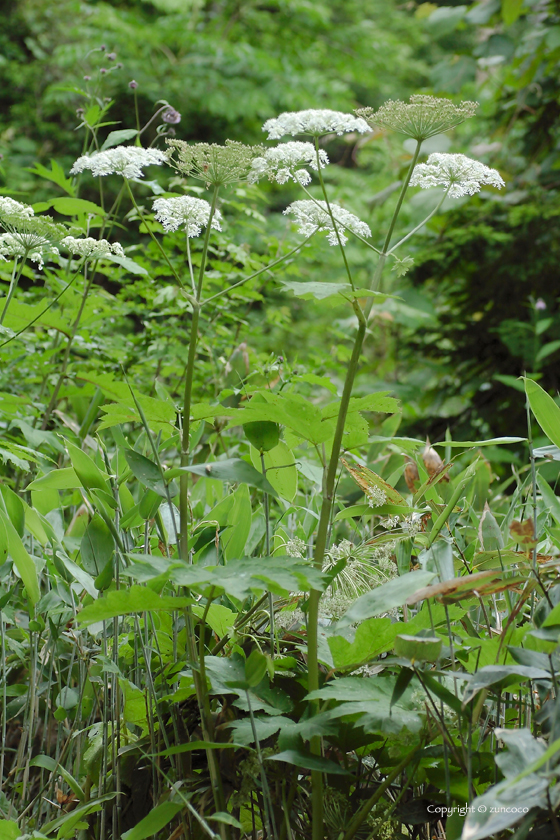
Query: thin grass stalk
{"points": [[267, 549], [16, 274]]}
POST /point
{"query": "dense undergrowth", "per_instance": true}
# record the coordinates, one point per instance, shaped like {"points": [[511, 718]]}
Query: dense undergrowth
{"points": [[237, 601]]}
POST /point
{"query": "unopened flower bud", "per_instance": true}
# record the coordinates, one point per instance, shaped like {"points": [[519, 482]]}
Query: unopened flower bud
{"points": [[102, 70], [111, 56], [103, 47], [540, 305], [87, 78], [411, 475], [432, 461], [80, 112], [133, 84], [119, 65], [171, 116]]}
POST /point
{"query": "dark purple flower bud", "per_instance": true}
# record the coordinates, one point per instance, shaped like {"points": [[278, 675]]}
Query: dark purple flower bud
{"points": [[80, 112], [540, 305], [87, 78], [111, 56], [171, 116], [119, 65], [103, 47], [133, 84], [102, 70]]}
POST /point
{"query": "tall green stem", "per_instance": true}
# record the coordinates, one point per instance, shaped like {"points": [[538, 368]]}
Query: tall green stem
{"points": [[16, 274], [62, 374], [329, 480], [189, 379]]}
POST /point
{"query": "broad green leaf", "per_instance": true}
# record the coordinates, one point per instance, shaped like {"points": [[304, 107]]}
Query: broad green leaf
{"points": [[373, 402], [126, 601], [87, 471], [418, 648], [158, 818], [438, 559], [263, 435], [255, 668], [23, 562], [314, 289], [367, 510], [224, 817], [49, 763], [148, 473], [97, 546], [309, 762], [369, 481], [116, 138], [500, 676], [221, 619], [9, 830], [281, 470], [386, 597], [375, 636], [239, 524], [63, 479], [14, 508], [234, 470], [550, 498], [130, 266], [55, 174], [511, 9], [546, 412], [79, 575], [75, 206]]}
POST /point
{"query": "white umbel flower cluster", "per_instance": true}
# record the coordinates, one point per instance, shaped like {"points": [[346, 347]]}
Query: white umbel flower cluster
{"points": [[92, 249], [376, 496], [127, 161], [457, 173], [34, 248], [281, 163], [315, 123], [314, 216], [185, 212], [14, 208]]}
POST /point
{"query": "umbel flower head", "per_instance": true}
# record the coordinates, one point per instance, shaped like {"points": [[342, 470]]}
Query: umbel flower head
{"points": [[313, 122], [282, 163], [185, 212], [28, 236], [92, 249], [459, 174], [314, 216], [10, 207], [127, 161], [215, 165], [422, 117]]}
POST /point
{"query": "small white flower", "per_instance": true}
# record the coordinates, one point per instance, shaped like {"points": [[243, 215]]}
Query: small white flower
{"points": [[295, 547], [376, 497], [127, 161], [280, 164], [460, 174], [315, 123], [412, 524], [14, 208], [92, 249], [390, 522], [313, 216], [186, 212]]}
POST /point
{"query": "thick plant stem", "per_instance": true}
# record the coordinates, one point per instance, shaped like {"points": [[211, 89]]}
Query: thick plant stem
{"points": [[185, 442], [329, 480], [66, 358]]}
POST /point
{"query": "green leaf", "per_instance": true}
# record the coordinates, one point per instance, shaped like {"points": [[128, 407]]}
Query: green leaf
{"points": [[55, 174], [309, 762], [14, 508], [281, 470], [489, 532], [373, 402], [115, 138], [375, 636], [87, 471], [238, 524], [386, 597], [126, 601], [418, 648], [9, 830], [511, 10], [97, 546], [500, 676], [263, 435], [49, 763], [64, 479], [75, 206], [234, 470], [130, 266], [255, 668], [157, 819], [545, 410], [23, 562], [148, 473], [314, 289], [438, 558], [499, 441], [550, 498], [227, 819]]}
